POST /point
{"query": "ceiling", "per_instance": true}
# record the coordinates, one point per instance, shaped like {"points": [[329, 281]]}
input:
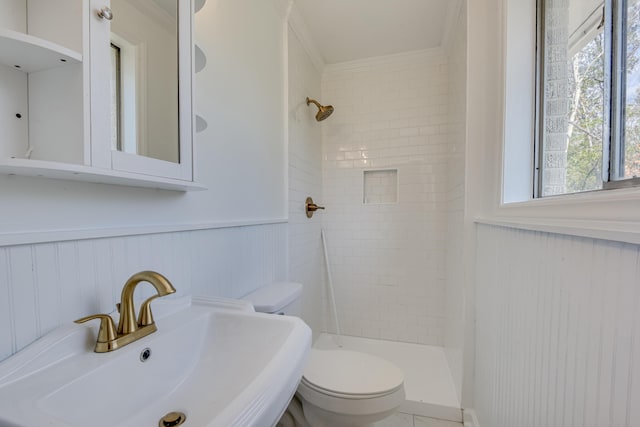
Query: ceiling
{"points": [[346, 30]]}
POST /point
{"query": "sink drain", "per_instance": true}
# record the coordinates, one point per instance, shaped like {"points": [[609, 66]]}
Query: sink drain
{"points": [[145, 354], [172, 419]]}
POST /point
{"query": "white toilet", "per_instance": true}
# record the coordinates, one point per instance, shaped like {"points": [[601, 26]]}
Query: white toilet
{"points": [[339, 388]]}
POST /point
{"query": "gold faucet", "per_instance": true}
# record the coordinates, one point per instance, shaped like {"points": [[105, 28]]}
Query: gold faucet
{"points": [[130, 330]]}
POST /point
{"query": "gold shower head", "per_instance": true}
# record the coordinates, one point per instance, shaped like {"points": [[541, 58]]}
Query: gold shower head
{"points": [[323, 111]]}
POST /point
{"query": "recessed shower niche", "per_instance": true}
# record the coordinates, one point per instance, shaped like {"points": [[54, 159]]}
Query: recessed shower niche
{"points": [[380, 187]]}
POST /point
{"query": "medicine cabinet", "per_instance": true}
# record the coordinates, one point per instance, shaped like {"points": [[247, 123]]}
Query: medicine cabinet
{"points": [[98, 91]]}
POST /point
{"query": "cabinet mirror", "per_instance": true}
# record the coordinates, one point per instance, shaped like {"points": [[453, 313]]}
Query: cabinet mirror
{"points": [[144, 78], [141, 111]]}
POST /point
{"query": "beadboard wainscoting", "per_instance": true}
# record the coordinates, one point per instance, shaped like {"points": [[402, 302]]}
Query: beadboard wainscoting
{"points": [[49, 284], [558, 330]]}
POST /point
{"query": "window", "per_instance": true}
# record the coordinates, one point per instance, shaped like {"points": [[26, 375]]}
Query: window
{"points": [[588, 134]]}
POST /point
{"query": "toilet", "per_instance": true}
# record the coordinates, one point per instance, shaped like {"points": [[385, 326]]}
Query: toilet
{"points": [[339, 388]]}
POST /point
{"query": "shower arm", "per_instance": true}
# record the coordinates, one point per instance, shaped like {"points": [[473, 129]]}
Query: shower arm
{"points": [[314, 101]]}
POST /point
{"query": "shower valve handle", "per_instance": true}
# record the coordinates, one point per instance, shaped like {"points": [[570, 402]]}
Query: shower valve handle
{"points": [[311, 207]]}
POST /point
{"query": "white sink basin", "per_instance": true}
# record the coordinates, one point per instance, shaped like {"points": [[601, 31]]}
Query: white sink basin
{"points": [[215, 360]]}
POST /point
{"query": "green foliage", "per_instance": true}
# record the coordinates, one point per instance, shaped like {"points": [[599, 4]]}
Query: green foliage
{"points": [[586, 122], [632, 109], [586, 116]]}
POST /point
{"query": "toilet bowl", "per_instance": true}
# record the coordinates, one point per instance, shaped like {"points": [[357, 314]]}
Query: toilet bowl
{"points": [[339, 388], [342, 388]]}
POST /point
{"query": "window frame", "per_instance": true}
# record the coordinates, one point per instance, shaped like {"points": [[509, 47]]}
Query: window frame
{"points": [[501, 138], [538, 127], [613, 127]]}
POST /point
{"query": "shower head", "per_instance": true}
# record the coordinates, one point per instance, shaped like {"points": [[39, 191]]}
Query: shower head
{"points": [[323, 111]]}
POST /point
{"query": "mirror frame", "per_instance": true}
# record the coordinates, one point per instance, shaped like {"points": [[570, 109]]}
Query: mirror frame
{"points": [[102, 156]]}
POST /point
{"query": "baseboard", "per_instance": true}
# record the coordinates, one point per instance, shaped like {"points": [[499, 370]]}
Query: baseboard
{"points": [[424, 409], [469, 418]]}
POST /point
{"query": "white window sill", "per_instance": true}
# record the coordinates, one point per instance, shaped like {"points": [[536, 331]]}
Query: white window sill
{"points": [[610, 215]]}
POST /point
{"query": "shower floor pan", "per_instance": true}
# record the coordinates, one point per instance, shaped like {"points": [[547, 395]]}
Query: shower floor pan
{"points": [[428, 384]]}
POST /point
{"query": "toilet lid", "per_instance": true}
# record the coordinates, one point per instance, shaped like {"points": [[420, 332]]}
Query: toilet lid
{"points": [[351, 373]]}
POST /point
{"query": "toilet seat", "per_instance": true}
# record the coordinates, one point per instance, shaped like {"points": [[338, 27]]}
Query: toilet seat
{"points": [[340, 384], [346, 395], [351, 375]]}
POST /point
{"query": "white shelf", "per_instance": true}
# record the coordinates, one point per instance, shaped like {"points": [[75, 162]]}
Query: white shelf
{"points": [[199, 4], [30, 54], [201, 59], [201, 124], [72, 172]]}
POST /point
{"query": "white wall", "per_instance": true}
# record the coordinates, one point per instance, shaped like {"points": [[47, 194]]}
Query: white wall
{"points": [[242, 154], [558, 330], [388, 259], [305, 179], [483, 154], [14, 15], [455, 203]]}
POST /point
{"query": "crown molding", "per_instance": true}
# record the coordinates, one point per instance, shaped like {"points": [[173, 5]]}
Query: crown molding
{"points": [[375, 61]]}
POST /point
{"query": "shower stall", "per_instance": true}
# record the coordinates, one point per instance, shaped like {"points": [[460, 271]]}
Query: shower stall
{"points": [[388, 165]]}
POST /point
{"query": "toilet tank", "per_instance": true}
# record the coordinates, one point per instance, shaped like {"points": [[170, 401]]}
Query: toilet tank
{"points": [[277, 298]]}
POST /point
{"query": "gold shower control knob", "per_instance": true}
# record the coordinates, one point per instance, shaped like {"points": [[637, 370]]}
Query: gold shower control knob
{"points": [[311, 207]]}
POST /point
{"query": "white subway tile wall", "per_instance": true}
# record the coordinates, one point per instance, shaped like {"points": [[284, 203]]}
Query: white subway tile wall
{"points": [[388, 259], [305, 180], [43, 286]]}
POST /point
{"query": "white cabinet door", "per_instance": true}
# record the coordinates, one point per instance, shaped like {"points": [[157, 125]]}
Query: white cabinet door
{"points": [[138, 94], [100, 66]]}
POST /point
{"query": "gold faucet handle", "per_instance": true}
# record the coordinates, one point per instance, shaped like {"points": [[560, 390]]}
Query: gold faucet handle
{"points": [[145, 317], [310, 207], [107, 331]]}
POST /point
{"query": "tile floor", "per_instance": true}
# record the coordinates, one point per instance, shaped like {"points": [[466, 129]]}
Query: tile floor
{"points": [[400, 419]]}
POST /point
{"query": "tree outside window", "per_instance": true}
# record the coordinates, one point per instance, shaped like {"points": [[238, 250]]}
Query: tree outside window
{"points": [[581, 104]]}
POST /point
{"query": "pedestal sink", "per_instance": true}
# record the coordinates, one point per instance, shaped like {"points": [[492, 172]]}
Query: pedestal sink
{"points": [[215, 361]]}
